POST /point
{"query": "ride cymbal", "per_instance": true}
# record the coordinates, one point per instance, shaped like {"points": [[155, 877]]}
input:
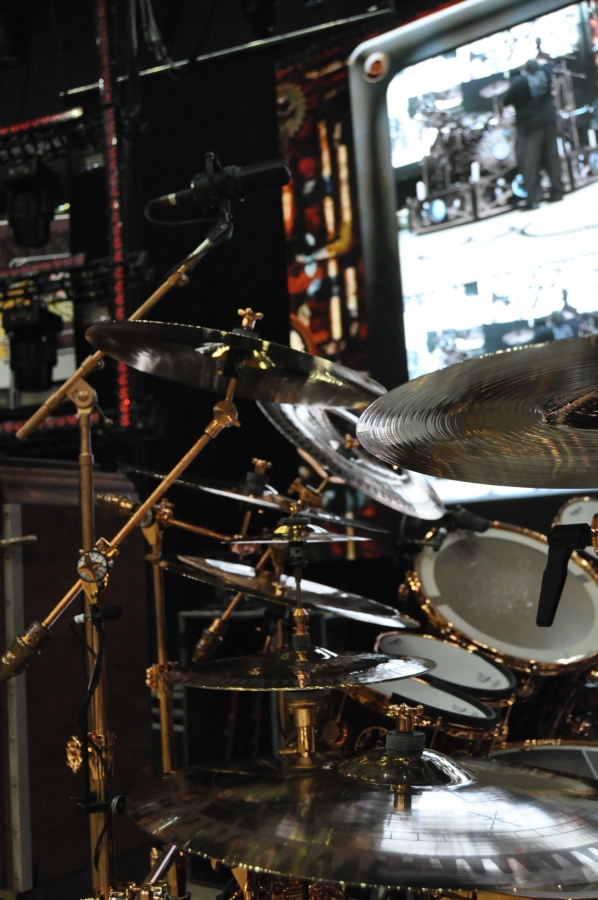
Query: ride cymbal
{"points": [[299, 670], [207, 358], [512, 828], [237, 577], [523, 418]]}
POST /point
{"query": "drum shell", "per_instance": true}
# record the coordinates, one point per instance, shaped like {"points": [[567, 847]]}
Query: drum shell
{"points": [[463, 737], [585, 767], [528, 671]]}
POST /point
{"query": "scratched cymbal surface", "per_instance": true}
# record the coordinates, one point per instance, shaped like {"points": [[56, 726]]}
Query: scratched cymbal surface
{"points": [[514, 827], [523, 418]]}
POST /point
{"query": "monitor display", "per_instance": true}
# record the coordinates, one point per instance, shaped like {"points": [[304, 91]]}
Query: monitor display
{"points": [[495, 155]]}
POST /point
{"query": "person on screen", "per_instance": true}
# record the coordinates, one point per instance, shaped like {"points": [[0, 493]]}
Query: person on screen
{"points": [[530, 93]]}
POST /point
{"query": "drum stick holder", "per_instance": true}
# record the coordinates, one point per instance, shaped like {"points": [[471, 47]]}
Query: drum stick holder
{"points": [[562, 541]]}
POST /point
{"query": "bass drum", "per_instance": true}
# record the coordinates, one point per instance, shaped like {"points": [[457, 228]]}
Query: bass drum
{"points": [[496, 150], [481, 589], [575, 511]]}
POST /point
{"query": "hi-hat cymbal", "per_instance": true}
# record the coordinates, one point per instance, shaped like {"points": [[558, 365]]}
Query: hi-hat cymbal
{"points": [[237, 577], [321, 433], [526, 417], [266, 371], [269, 499], [299, 670], [512, 828]]}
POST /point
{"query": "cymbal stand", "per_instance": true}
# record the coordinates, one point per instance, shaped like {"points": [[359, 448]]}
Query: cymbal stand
{"points": [[97, 744], [222, 230], [26, 646]]}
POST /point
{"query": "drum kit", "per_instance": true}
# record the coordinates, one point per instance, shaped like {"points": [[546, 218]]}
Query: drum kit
{"points": [[446, 762]]}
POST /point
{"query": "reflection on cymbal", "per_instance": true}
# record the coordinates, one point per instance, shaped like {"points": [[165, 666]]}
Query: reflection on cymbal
{"points": [[285, 534], [512, 828], [207, 358], [269, 499], [298, 670], [525, 417], [321, 433], [240, 578]]}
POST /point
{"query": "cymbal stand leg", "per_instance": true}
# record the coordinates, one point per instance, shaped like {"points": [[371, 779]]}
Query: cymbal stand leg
{"points": [[98, 751]]}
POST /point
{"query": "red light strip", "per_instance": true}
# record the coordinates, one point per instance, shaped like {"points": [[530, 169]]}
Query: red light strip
{"points": [[116, 227], [50, 423], [75, 113], [50, 265]]}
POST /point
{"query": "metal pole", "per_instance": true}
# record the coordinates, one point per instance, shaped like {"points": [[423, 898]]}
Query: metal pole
{"points": [[18, 753]]}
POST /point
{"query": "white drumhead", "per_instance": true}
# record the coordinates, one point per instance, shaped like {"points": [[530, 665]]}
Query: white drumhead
{"points": [[416, 691], [576, 511], [465, 670], [487, 585]]}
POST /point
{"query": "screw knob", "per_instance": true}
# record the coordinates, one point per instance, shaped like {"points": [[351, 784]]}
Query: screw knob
{"points": [[405, 716]]}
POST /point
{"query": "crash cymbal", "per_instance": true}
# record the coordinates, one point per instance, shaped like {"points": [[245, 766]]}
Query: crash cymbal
{"points": [[199, 357], [269, 499], [512, 828], [239, 578], [526, 418], [298, 670], [322, 432]]}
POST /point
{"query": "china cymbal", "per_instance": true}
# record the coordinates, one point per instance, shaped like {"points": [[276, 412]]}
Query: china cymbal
{"points": [[237, 577], [266, 371], [526, 418], [298, 670], [512, 828], [321, 433], [269, 499]]}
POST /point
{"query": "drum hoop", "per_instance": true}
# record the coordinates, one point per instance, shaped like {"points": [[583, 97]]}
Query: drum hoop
{"points": [[501, 694], [450, 717], [520, 664]]}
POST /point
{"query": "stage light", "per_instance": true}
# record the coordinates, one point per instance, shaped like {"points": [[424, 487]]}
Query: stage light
{"points": [[33, 333], [30, 202]]}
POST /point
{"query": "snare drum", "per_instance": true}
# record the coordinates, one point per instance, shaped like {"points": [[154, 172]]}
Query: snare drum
{"points": [[482, 591], [575, 511]]}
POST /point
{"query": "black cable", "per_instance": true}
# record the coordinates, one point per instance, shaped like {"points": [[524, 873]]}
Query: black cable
{"points": [[154, 221]]}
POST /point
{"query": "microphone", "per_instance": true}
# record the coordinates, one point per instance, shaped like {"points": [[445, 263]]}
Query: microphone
{"points": [[231, 183], [110, 611]]}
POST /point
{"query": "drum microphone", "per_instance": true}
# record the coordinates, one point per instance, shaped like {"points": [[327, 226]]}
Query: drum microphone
{"points": [[104, 613], [231, 183]]}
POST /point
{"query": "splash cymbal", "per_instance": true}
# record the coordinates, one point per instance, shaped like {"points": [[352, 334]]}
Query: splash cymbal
{"points": [[524, 418], [298, 670], [269, 499], [206, 358], [237, 577], [321, 433], [512, 828]]}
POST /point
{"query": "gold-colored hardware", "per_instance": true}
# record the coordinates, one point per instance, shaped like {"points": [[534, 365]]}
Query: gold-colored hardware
{"points": [[158, 677], [594, 532], [249, 318], [261, 466], [351, 442], [23, 649], [405, 716], [74, 756], [300, 621], [101, 755]]}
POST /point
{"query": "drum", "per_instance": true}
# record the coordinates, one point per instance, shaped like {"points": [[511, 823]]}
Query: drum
{"points": [[575, 511], [481, 590], [578, 759], [467, 670], [449, 713]]}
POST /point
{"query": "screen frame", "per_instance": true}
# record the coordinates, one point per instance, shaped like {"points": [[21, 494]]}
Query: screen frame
{"points": [[393, 51]]}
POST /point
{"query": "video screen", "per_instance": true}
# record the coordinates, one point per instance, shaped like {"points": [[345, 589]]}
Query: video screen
{"points": [[495, 153]]}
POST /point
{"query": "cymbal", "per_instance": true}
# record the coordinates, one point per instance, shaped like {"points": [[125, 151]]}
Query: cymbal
{"points": [[494, 90], [526, 418], [512, 828], [237, 577], [269, 499], [299, 670], [266, 371], [322, 434]]}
